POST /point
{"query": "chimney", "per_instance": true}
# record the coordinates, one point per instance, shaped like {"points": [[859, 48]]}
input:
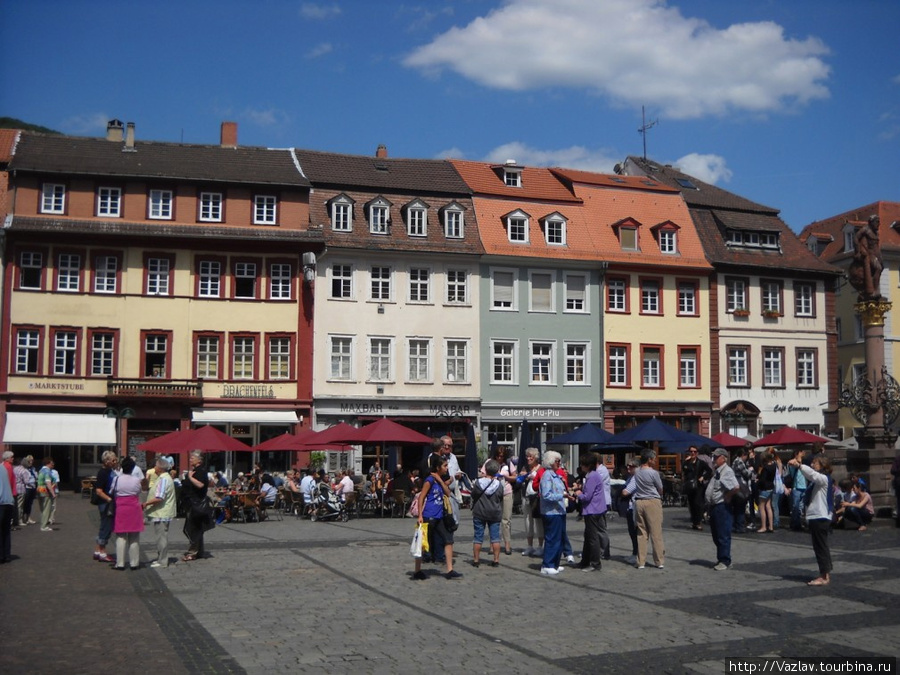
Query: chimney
{"points": [[228, 135], [129, 137], [115, 130], [381, 152]]}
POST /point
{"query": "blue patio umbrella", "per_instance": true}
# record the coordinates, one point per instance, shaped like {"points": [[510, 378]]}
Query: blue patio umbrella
{"points": [[689, 439], [524, 442], [586, 434], [651, 431]]}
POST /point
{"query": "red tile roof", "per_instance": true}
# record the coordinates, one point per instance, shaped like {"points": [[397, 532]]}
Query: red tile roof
{"points": [[537, 183], [888, 212], [8, 139]]}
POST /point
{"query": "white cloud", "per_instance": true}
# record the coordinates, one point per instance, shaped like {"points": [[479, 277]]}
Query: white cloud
{"points": [[708, 168], [320, 50], [265, 117], [451, 153], [635, 52], [311, 10], [896, 79], [86, 124], [573, 157]]}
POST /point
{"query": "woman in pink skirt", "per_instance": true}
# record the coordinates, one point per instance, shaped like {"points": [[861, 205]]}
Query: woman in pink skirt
{"points": [[129, 518]]}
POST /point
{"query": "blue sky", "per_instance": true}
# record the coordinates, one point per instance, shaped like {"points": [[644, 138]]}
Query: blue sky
{"points": [[792, 104]]}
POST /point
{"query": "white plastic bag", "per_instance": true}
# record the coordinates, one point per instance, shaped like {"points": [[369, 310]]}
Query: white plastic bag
{"points": [[415, 548]]}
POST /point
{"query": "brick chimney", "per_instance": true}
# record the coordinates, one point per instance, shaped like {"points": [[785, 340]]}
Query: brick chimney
{"points": [[228, 135], [129, 137], [381, 152], [115, 131]]}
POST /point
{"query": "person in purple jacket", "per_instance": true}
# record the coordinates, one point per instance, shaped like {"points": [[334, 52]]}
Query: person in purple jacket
{"points": [[592, 496]]}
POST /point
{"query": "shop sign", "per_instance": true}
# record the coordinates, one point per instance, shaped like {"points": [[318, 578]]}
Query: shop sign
{"points": [[247, 391], [56, 386], [790, 408], [529, 413]]}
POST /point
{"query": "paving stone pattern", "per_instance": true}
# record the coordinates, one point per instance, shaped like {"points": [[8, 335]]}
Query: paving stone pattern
{"points": [[302, 597]]}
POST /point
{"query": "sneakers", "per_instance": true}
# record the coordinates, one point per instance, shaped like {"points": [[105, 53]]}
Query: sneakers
{"points": [[549, 571], [46, 529], [660, 567], [419, 576], [105, 558], [453, 574], [560, 569], [640, 567], [720, 567], [156, 563], [570, 559], [527, 551], [31, 522]]}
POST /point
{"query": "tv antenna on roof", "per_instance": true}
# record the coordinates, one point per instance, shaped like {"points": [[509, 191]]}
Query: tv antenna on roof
{"points": [[645, 127]]}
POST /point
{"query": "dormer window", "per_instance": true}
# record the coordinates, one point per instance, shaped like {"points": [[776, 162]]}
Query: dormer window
{"points": [[517, 226], [452, 215], [849, 238], [340, 208], [378, 211], [667, 237], [416, 215], [554, 226], [752, 239], [627, 233], [510, 173]]}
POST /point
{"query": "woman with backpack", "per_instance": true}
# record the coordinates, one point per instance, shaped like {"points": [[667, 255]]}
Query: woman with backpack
{"points": [[487, 509]]}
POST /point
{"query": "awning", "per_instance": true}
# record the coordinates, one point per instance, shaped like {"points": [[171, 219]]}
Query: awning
{"points": [[59, 429], [245, 416]]}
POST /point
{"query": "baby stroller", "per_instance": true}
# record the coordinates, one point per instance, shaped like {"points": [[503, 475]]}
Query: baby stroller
{"points": [[328, 505]]}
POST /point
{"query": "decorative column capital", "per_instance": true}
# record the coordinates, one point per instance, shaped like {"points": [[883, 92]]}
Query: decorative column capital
{"points": [[872, 311]]}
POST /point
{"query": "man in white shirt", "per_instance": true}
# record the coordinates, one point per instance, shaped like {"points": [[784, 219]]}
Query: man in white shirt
{"points": [[344, 485]]}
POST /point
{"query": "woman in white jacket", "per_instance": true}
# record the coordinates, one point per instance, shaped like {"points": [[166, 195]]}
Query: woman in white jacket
{"points": [[819, 510]]}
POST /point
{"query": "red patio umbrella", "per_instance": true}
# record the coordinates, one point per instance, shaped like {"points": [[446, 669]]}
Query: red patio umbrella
{"points": [[205, 439], [728, 441], [286, 441], [329, 436], [789, 436], [162, 443], [386, 431]]}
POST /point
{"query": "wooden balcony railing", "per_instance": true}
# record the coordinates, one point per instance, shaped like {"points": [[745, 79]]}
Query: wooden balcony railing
{"points": [[154, 388]]}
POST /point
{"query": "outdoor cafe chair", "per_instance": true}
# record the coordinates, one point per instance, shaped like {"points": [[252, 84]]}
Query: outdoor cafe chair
{"points": [[401, 503]]}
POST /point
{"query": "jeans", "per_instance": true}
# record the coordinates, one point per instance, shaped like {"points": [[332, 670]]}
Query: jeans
{"points": [[493, 530], [720, 522], [554, 530], [798, 508], [106, 525]]}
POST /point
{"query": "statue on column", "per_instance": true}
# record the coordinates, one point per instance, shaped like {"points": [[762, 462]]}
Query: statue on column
{"points": [[864, 273]]}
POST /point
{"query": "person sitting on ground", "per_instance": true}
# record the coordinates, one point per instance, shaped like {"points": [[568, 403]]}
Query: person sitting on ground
{"points": [[859, 510]]}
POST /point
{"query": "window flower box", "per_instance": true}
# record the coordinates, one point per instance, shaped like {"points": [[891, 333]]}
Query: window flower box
{"points": [[771, 313], [741, 312]]}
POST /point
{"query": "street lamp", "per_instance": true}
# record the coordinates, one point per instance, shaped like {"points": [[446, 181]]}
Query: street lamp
{"points": [[119, 414]]}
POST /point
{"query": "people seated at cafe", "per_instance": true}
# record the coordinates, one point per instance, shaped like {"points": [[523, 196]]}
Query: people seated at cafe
{"points": [[344, 485], [240, 482], [221, 480], [268, 493], [293, 481]]}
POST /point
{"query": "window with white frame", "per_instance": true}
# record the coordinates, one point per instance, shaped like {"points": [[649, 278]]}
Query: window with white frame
{"points": [[668, 241], [849, 238], [210, 282], [158, 276], [541, 297], [53, 198], [503, 362], [616, 295], [738, 367], [65, 352], [651, 367], [576, 292], [858, 373], [807, 368], [342, 215], [457, 352], [379, 216], [577, 363], [380, 359], [280, 275], [246, 277], [688, 374], [417, 219], [650, 297], [771, 296], [380, 283], [279, 358], [542, 362], [68, 272], [457, 287], [454, 222], [804, 299], [773, 367], [341, 282], [265, 210], [28, 343], [106, 268], [736, 295], [160, 206], [156, 355], [503, 286], [243, 358], [419, 284], [517, 227], [109, 202], [512, 177], [31, 269], [208, 357], [211, 207], [617, 366], [103, 346], [687, 298], [419, 360], [555, 230], [341, 349]]}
